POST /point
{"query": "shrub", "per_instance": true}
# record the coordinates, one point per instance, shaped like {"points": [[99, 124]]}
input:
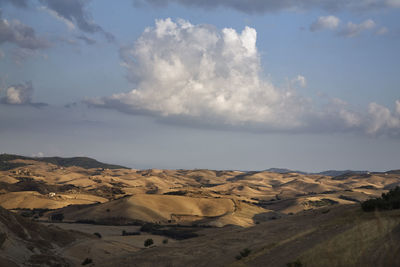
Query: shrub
{"points": [[97, 234], [148, 242], [165, 241], [87, 261]]}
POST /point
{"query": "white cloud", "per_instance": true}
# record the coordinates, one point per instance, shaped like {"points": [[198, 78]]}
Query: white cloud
{"points": [[199, 75], [382, 31], [19, 94], [353, 29], [322, 23], [382, 120], [38, 155], [70, 25], [181, 69], [300, 80], [398, 107]]}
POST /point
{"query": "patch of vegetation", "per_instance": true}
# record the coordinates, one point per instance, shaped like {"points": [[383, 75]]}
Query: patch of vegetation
{"points": [[176, 193], [244, 253], [6, 166], [367, 187], [106, 191], [87, 261], [322, 202], [165, 241], [210, 185], [148, 242], [125, 233], [173, 232], [296, 263], [388, 201]]}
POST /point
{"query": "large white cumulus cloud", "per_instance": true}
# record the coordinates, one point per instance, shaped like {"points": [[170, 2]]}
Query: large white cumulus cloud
{"points": [[200, 74], [181, 69]]}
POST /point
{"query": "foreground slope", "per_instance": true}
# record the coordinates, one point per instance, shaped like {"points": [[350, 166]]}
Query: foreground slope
{"points": [[339, 236], [25, 243]]}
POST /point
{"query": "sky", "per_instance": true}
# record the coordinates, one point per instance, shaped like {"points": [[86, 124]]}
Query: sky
{"points": [[309, 85]]}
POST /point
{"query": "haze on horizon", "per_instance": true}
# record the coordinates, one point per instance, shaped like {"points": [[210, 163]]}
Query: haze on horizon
{"points": [[304, 85]]}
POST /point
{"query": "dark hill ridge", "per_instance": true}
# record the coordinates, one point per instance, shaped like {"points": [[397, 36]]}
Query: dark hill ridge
{"points": [[83, 162], [332, 173]]}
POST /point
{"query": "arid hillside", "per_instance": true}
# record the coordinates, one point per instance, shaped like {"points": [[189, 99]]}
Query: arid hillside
{"points": [[68, 214], [175, 196]]}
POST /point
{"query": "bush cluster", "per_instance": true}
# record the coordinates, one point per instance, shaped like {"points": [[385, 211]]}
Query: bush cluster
{"points": [[388, 201], [148, 242]]}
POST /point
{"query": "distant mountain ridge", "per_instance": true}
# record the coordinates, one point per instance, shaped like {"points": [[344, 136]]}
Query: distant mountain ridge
{"points": [[88, 163], [332, 173], [283, 170], [84, 162]]}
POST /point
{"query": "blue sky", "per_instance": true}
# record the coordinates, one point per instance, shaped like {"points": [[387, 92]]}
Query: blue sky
{"points": [[308, 85]]}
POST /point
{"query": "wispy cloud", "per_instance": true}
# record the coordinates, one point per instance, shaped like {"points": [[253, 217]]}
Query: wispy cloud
{"points": [[352, 29], [70, 25], [73, 12], [20, 34], [17, 3], [201, 76], [87, 40], [382, 31], [325, 22]]}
